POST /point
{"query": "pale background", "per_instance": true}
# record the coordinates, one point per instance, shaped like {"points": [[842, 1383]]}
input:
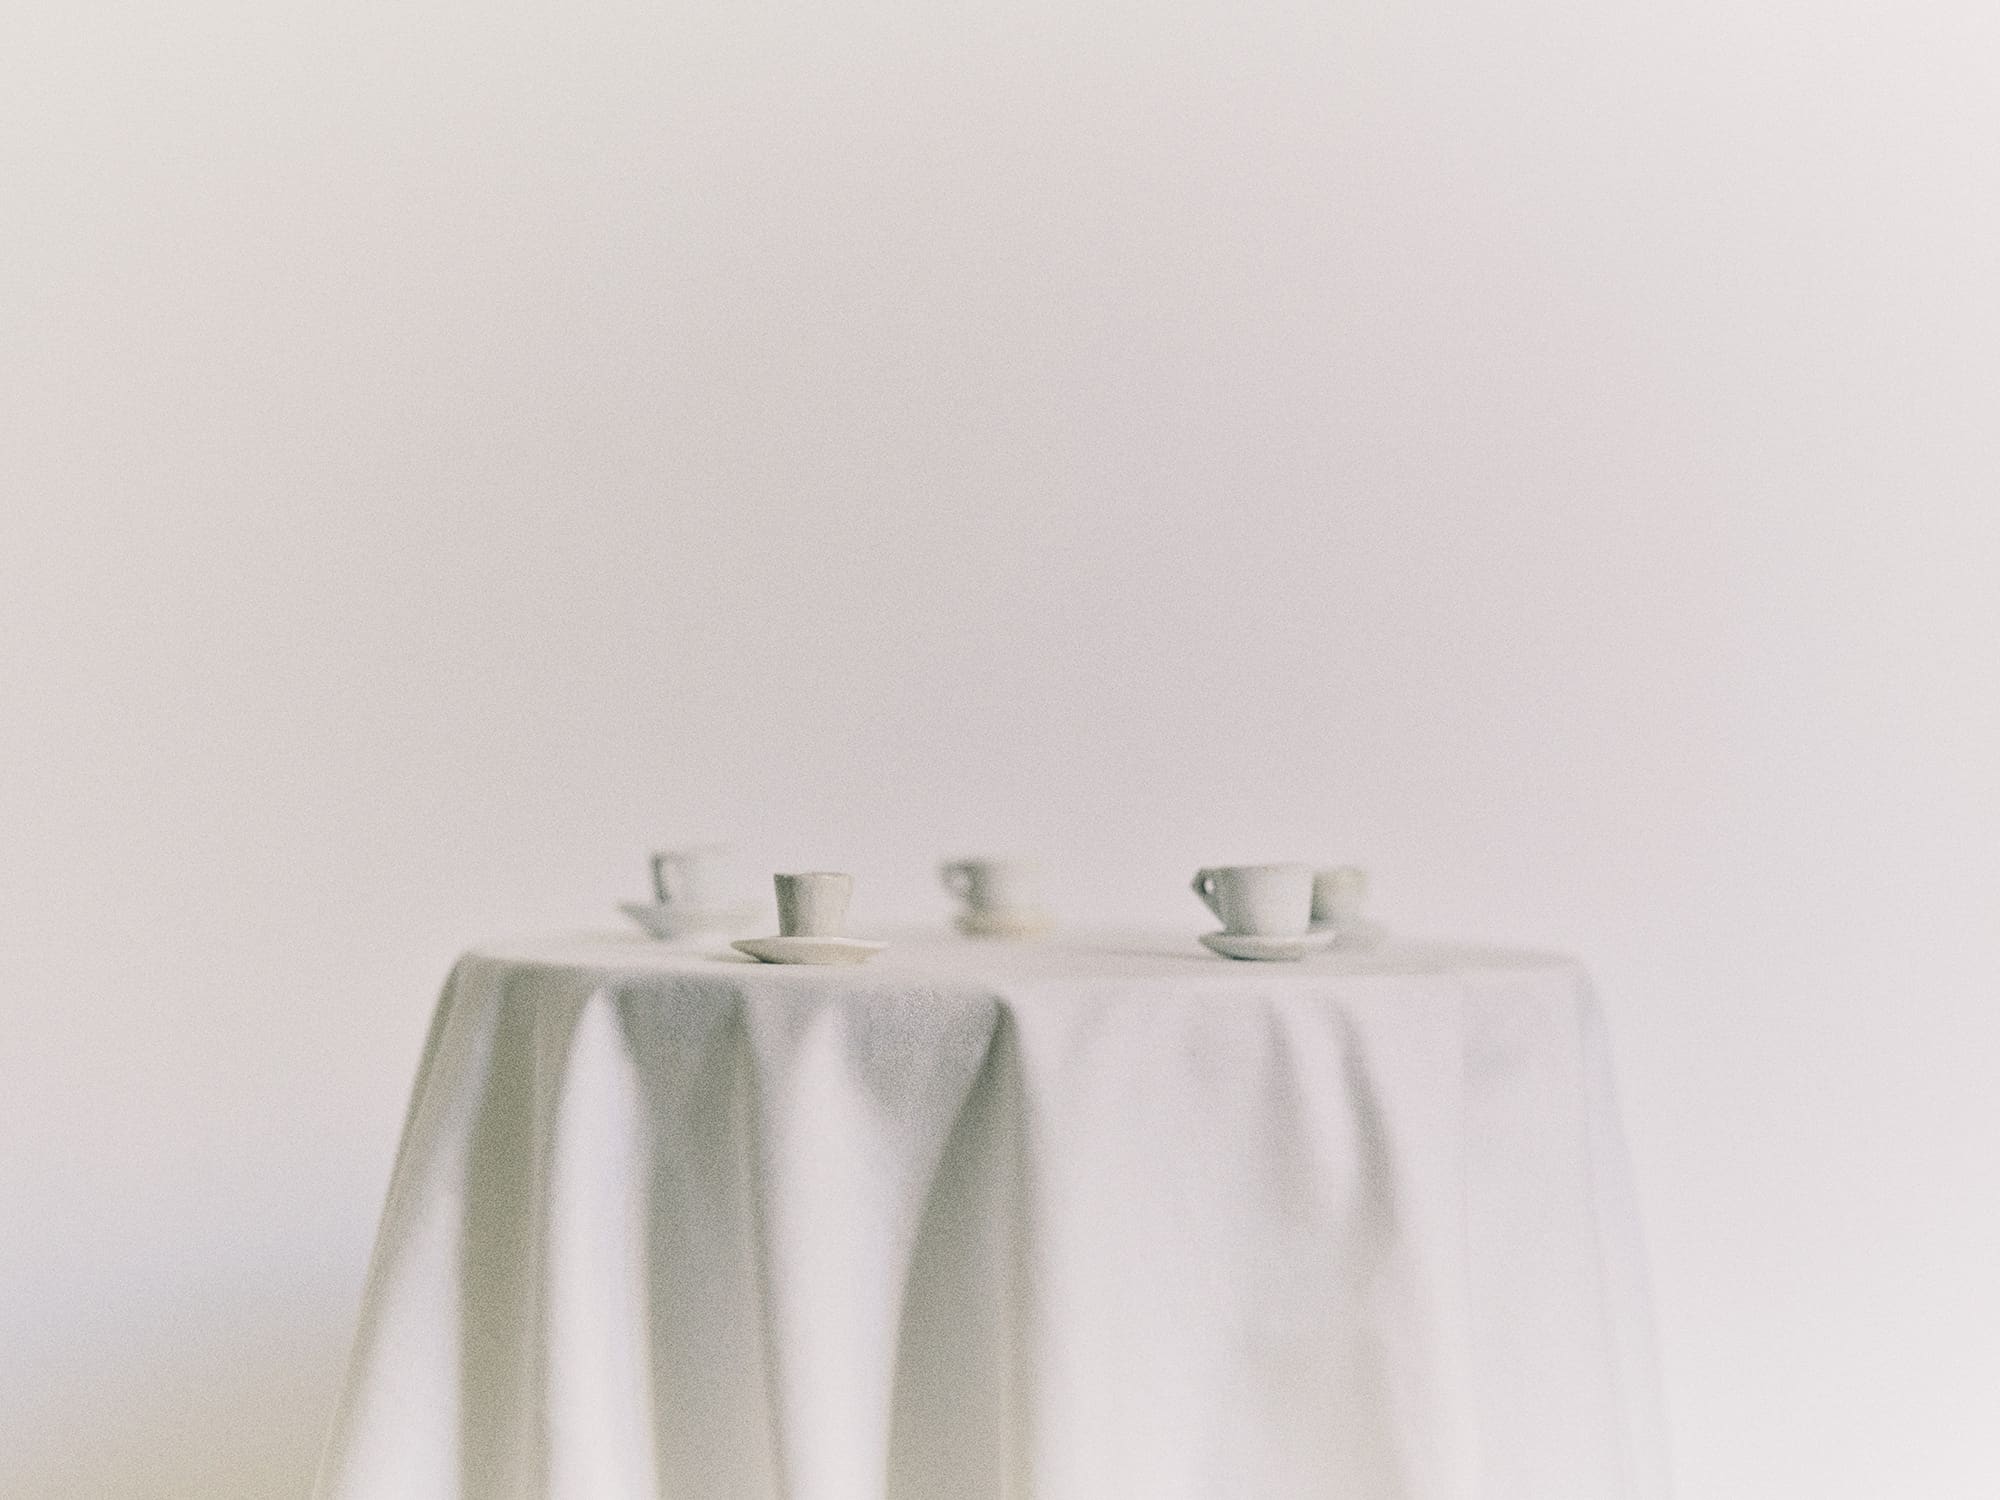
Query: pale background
{"points": [[1543, 450]]}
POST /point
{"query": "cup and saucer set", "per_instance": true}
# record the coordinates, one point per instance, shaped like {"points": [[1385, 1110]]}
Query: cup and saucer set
{"points": [[1286, 912], [1269, 913], [1002, 898], [812, 909], [689, 889]]}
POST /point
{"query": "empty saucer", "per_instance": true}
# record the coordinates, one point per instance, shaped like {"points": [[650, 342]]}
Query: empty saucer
{"points": [[673, 920], [808, 950], [1006, 922], [1265, 949]]}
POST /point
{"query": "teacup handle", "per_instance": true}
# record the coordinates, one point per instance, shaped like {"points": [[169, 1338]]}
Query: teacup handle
{"points": [[1204, 887], [957, 878], [662, 888]]}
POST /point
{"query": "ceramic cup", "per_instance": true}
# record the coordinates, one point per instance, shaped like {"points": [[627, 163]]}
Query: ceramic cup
{"points": [[690, 878], [991, 885], [813, 904], [1260, 900], [1338, 894]]}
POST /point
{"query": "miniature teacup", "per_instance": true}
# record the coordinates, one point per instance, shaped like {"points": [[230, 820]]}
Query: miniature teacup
{"points": [[992, 885], [1338, 894], [813, 904], [1264, 900], [692, 877]]}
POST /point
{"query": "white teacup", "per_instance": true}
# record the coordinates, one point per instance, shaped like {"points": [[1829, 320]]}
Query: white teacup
{"points": [[1260, 900], [694, 878], [813, 904], [992, 885], [1338, 894]]}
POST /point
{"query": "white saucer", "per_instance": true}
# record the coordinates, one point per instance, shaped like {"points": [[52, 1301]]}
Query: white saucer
{"points": [[671, 921], [1009, 922], [808, 950], [1264, 949]]}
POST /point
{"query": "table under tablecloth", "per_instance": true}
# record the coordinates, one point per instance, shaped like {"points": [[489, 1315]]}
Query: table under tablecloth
{"points": [[1078, 1219]]}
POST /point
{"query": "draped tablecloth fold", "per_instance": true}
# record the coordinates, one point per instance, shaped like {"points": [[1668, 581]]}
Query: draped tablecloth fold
{"points": [[1074, 1220]]}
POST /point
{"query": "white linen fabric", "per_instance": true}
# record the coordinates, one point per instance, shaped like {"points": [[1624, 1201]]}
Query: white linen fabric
{"points": [[1068, 1220]]}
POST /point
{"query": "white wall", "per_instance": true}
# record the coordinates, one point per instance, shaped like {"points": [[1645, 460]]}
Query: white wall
{"points": [[1544, 450]]}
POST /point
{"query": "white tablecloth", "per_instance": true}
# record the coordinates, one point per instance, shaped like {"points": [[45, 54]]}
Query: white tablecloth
{"points": [[1061, 1221]]}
